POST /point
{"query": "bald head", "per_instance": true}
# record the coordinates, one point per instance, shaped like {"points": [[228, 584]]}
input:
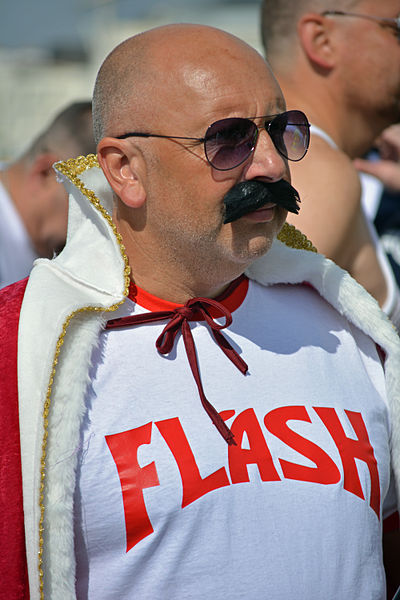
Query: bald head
{"points": [[149, 71]]}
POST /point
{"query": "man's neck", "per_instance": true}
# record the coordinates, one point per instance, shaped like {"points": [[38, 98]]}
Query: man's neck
{"points": [[163, 273], [348, 128], [179, 288]]}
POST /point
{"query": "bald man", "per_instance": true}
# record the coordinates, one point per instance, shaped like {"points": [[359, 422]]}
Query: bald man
{"points": [[203, 410], [332, 61]]}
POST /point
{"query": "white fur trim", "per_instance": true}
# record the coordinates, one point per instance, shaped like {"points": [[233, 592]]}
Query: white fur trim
{"points": [[68, 286], [67, 411]]}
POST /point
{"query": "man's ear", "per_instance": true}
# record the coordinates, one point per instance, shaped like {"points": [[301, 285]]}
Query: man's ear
{"points": [[124, 168], [314, 32]]}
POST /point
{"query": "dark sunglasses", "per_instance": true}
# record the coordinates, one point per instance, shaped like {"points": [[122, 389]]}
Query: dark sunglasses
{"points": [[229, 142]]}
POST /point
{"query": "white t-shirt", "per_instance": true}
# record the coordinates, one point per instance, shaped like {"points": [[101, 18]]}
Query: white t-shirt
{"points": [[165, 509]]}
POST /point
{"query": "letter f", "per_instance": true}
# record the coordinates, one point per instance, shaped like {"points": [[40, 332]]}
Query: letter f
{"points": [[134, 479]]}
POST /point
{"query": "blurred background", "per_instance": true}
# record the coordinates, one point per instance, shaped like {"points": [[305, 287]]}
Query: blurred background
{"points": [[50, 50]]}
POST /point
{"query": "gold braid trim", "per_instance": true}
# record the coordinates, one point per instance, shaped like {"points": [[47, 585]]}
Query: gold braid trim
{"points": [[293, 238], [72, 168]]}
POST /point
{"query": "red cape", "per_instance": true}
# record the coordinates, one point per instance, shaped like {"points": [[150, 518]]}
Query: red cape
{"points": [[13, 570]]}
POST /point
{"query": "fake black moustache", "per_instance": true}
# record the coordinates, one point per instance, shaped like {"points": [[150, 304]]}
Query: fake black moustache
{"points": [[248, 196]]}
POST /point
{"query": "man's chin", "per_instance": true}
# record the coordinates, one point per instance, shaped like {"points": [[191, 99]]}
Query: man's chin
{"points": [[248, 248]]}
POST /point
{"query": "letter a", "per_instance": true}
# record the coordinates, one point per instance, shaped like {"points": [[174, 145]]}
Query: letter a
{"points": [[258, 453]]}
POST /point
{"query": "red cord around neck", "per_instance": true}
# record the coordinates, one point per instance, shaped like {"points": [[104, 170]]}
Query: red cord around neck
{"points": [[196, 309]]}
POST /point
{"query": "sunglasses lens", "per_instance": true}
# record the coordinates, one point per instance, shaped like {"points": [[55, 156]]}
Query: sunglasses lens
{"points": [[290, 132], [229, 142]]}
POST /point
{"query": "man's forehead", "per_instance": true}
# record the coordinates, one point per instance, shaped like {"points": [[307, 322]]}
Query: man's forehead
{"points": [[195, 85], [234, 89], [208, 97], [246, 72]]}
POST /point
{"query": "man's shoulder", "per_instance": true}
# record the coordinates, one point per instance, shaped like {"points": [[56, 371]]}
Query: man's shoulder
{"points": [[330, 189], [328, 167]]}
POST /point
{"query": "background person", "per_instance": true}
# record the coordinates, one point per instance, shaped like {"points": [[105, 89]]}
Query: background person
{"points": [[384, 164], [33, 204], [331, 60], [149, 426], [386, 167]]}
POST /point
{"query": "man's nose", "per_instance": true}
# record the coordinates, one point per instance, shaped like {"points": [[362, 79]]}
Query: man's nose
{"points": [[266, 162]]}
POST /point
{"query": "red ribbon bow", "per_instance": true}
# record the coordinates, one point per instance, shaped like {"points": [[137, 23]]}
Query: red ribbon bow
{"points": [[195, 309]]}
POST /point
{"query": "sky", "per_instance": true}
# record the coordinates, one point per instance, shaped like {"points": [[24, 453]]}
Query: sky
{"points": [[49, 23]]}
